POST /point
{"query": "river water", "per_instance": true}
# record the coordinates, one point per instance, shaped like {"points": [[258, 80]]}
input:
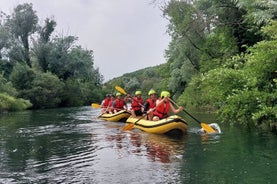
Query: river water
{"points": [[71, 145]]}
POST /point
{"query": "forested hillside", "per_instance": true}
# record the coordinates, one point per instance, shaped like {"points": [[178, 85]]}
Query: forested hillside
{"points": [[42, 70], [222, 57]]}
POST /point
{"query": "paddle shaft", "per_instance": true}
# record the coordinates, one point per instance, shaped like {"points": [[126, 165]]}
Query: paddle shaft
{"points": [[98, 107], [131, 125], [140, 119], [143, 116], [186, 112], [121, 90]]}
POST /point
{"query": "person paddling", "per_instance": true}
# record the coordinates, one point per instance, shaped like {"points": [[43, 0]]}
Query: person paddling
{"points": [[163, 107], [119, 103], [150, 104], [110, 106], [136, 105], [105, 104]]}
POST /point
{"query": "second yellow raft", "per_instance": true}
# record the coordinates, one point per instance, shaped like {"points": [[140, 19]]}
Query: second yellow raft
{"points": [[120, 116], [173, 125]]}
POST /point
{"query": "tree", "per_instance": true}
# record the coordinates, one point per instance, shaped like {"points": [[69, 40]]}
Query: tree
{"points": [[22, 24], [42, 46], [45, 92], [41, 66], [22, 76], [59, 62], [4, 39]]}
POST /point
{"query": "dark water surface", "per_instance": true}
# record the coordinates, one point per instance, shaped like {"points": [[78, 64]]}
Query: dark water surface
{"points": [[72, 146]]}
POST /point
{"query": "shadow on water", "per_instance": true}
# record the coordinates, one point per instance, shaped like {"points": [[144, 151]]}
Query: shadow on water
{"points": [[73, 146]]}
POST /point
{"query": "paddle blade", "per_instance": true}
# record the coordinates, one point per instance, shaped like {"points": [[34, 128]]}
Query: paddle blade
{"points": [[95, 105], [207, 128], [121, 90], [128, 127]]}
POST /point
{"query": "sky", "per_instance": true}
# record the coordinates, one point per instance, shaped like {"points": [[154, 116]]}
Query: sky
{"points": [[125, 35]]}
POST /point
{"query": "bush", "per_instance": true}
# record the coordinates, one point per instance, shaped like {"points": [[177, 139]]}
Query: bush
{"points": [[6, 86], [45, 92], [9, 103]]}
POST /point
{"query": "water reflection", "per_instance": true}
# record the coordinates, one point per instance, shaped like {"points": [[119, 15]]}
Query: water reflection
{"points": [[158, 148]]}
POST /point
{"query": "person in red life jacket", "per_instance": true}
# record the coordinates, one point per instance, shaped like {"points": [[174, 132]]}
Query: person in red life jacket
{"points": [[105, 104], [110, 106], [163, 107], [150, 104], [128, 98], [119, 103], [136, 105]]}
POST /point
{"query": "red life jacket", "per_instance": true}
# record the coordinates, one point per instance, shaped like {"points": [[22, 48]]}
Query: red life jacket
{"points": [[162, 110], [137, 103], [119, 104], [110, 103], [152, 103], [106, 102]]}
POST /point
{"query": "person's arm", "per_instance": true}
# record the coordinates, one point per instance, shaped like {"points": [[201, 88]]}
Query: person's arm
{"points": [[174, 110], [159, 102]]}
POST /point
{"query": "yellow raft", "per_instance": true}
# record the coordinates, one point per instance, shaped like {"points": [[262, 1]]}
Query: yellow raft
{"points": [[121, 116], [173, 125]]}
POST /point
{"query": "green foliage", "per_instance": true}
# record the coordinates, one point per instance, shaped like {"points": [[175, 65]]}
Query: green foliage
{"points": [[266, 118], [6, 87], [8, 100], [262, 63], [72, 93], [219, 46], [258, 12], [77, 93], [9, 103], [41, 70], [22, 77], [244, 89], [239, 108], [221, 83], [6, 67], [80, 64], [4, 39], [42, 46], [145, 79], [193, 96], [250, 108], [214, 87], [58, 61], [45, 91], [23, 23]]}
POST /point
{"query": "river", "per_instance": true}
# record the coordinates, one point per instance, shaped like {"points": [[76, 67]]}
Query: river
{"points": [[70, 145]]}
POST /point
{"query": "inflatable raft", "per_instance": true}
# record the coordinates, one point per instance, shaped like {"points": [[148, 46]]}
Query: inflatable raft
{"points": [[120, 116], [173, 125]]}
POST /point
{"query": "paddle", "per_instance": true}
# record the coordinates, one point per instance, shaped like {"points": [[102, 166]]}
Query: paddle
{"points": [[121, 90], [205, 126], [131, 125], [95, 105]]}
